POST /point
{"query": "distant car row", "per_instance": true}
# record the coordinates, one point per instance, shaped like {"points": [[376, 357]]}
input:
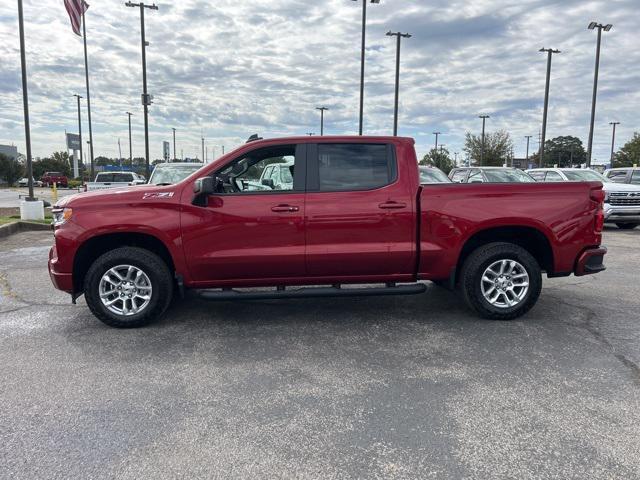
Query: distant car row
{"points": [[621, 185]]}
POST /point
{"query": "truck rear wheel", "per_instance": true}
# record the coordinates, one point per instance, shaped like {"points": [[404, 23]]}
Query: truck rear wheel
{"points": [[501, 281], [128, 287]]}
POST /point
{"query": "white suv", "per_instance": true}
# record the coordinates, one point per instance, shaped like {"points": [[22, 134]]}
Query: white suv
{"points": [[621, 203]]}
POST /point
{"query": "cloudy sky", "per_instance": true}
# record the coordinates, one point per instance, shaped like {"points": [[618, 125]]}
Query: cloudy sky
{"points": [[231, 68]]}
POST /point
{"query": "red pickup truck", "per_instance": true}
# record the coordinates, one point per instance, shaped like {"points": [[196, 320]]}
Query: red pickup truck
{"points": [[57, 178], [354, 221]]}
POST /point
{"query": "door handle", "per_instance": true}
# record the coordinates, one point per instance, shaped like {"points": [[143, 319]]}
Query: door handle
{"points": [[284, 208], [392, 205]]}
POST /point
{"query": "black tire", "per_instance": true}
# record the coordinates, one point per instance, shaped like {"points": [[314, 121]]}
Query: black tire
{"points": [[626, 226], [152, 265], [473, 270]]}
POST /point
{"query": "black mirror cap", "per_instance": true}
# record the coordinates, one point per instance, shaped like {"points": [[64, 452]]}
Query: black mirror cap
{"points": [[203, 186]]}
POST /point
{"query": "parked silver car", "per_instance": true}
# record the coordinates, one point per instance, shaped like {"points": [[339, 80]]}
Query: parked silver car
{"points": [[489, 175], [430, 174], [622, 201]]}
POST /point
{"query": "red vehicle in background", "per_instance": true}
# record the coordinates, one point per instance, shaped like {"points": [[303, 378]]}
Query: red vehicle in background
{"points": [[355, 213], [57, 178]]}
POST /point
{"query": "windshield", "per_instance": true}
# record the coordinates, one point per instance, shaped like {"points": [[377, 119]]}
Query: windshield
{"points": [[432, 175], [584, 176], [170, 174], [507, 176]]}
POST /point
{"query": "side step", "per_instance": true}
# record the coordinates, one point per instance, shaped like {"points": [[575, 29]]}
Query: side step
{"points": [[312, 292]]}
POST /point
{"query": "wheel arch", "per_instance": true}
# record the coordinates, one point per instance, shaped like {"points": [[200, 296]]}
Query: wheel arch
{"points": [[98, 245], [532, 239]]}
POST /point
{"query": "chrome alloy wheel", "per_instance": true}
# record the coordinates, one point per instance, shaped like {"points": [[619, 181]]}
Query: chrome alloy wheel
{"points": [[505, 283], [125, 290]]}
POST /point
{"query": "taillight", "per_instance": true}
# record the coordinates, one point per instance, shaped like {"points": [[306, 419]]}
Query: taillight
{"points": [[598, 195]]}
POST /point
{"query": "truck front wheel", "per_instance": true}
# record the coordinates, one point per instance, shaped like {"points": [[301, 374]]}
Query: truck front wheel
{"points": [[501, 281], [128, 287]]}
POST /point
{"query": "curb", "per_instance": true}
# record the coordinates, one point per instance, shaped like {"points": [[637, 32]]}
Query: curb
{"points": [[21, 226]]}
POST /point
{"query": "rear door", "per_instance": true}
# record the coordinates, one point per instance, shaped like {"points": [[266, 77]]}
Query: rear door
{"points": [[359, 214]]}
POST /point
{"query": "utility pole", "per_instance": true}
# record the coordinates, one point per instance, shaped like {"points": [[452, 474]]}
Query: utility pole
{"points": [[130, 147], [322, 110], [86, 76], [437, 134], [120, 154], [550, 52], [399, 36], [484, 119], [25, 103], [613, 140], [203, 160], [362, 54], [606, 28], [528, 137], [146, 98], [78, 97]]}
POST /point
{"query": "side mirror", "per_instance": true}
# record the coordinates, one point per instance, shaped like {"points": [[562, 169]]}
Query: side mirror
{"points": [[267, 182], [203, 186]]}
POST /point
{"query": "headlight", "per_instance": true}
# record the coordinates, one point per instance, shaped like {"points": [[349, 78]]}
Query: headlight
{"points": [[60, 215]]}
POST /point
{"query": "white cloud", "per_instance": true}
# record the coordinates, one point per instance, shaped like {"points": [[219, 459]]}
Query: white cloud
{"points": [[232, 68]]}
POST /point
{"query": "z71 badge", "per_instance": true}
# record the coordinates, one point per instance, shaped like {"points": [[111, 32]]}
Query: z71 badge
{"points": [[157, 195]]}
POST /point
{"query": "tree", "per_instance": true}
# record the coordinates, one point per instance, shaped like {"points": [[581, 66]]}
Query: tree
{"points": [[58, 162], [564, 151], [629, 155], [102, 161], [438, 158], [10, 169], [497, 148]]}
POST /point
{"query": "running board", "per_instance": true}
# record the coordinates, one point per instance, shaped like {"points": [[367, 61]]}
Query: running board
{"points": [[313, 292]]}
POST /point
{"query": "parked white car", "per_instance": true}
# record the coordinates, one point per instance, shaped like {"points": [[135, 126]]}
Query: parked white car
{"points": [[624, 175], [277, 176], [106, 180], [23, 182], [622, 201]]}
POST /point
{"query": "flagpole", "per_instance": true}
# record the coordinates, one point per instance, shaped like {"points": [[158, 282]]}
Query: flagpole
{"points": [[86, 73]]}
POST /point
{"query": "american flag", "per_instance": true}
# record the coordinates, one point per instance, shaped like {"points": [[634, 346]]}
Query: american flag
{"points": [[75, 9]]}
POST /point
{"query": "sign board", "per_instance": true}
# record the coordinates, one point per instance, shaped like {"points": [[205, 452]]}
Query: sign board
{"points": [[73, 142], [165, 151]]}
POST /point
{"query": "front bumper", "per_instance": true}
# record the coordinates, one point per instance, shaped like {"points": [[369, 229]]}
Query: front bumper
{"points": [[621, 213], [62, 281], [590, 261]]}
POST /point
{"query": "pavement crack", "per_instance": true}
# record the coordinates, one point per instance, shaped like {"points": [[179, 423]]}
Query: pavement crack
{"points": [[588, 325]]}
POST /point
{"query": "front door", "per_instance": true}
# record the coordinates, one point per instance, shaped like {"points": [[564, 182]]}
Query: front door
{"points": [[249, 229]]}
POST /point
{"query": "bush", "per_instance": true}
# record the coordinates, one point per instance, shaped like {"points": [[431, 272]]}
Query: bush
{"points": [[10, 169], [74, 183]]}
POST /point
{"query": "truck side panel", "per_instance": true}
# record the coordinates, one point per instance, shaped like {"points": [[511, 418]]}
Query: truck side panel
{"points": [[452, 214]]}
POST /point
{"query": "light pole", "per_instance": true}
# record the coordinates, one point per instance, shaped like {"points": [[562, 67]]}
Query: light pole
{"points": [[399, 36], [322, 110], [130, 148], [606, 28], [437, 134], [174, 144], [146, 98], [25, 103], [203, 159], [550, 52], [484, 119], [613, 139], [528, 137], [364, 28], [78, 97]]}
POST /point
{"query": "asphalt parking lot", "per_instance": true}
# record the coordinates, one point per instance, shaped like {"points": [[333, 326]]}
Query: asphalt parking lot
{"points": [[390, 387]]}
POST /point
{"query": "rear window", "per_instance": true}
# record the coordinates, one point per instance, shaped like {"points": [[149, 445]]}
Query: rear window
{"points": [[122, 177], [104, 177], [354, 167]]}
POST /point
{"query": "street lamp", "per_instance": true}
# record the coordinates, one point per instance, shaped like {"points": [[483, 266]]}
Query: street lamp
{"points": [[437, 134], [399, 36], [528, 137], [613, 139], [146, 98], [78, 97], [606, 28], [322, 110], [364, 28], [550, 52], [130, 149], [174, 144], [484, 119]]}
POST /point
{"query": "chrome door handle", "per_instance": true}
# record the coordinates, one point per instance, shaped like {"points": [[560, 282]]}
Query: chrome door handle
{"points": [[285, 208]]}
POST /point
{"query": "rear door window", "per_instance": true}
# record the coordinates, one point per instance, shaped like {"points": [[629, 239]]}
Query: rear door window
{"points": [[349, 167], [553, 177], [459, 176], [476, 177], [537, 176]]}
